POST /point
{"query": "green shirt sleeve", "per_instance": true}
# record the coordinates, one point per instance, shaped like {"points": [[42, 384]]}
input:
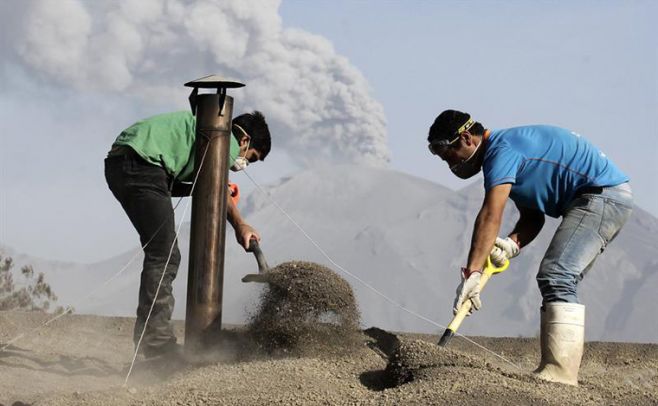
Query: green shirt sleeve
{"points": [[187, 174]]}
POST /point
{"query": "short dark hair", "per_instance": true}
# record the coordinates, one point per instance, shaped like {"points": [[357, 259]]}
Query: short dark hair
{"points": [[255, 125], [447, 124]]}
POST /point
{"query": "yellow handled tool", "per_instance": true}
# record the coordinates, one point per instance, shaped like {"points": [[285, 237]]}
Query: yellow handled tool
{"points": [[488, 271]]}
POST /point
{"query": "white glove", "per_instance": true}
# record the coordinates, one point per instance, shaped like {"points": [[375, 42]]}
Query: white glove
{"points": [[468, 289], [504, 249]]}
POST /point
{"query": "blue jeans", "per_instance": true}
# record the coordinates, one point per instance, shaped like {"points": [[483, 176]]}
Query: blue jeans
{"points": [[590, 222]]}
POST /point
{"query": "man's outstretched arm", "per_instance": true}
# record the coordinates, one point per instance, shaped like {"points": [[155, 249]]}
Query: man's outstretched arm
{"points": [[243, 231], [487, 225]]}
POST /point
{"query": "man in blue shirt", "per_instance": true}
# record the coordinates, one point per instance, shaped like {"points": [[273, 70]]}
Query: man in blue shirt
{"points": [[545, 170]]}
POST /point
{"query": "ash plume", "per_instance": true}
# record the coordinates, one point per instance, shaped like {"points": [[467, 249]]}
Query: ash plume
{"points": [[319, 104]]}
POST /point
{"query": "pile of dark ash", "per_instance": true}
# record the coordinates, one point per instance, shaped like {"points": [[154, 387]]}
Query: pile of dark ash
{"points": [[306, 309], [416, 359]]}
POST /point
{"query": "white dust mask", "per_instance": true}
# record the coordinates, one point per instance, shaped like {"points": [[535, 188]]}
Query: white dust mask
{"points": [[468, 167], [241, 162]]}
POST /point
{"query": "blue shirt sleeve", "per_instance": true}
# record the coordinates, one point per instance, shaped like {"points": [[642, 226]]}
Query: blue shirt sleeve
{"points": [[501, 164]]}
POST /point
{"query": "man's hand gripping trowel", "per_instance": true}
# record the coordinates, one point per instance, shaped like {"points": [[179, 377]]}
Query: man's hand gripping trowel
{"points": [[489, 270], [261, 276]]}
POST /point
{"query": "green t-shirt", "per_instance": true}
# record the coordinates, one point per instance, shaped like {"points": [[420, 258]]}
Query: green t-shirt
{"points": [[167, 140]]}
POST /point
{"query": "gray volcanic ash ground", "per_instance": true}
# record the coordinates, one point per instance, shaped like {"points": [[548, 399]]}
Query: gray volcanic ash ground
{"points": [[82, 360], [303, 346]]}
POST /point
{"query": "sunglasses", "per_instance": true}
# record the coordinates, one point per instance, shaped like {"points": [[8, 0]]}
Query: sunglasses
{"points": [[438, 147]]}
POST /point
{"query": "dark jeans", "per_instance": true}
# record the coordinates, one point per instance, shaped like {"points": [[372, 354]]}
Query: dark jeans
{"points": [[143, 191]]}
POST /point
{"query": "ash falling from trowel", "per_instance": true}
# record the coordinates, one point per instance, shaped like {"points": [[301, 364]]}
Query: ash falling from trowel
{"points": [[306, 309]]}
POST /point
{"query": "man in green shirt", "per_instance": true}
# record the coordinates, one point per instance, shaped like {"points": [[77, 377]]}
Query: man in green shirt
{"points": [[150, 162]]}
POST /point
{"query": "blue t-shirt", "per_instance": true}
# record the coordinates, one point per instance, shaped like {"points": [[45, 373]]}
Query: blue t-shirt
{"points": [[546, 166]]}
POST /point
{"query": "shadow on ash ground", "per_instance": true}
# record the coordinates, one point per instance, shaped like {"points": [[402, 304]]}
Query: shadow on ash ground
{"points": [[302, 347]]}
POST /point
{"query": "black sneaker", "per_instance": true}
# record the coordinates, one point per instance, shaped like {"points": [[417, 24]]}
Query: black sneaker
{"points": [[164, 360], [168, 350]]}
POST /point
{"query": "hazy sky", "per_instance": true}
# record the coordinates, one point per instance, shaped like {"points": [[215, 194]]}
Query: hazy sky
{"points": [[591, 66], [340, 81]]}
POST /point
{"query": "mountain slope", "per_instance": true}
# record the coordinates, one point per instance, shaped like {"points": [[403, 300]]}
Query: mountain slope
{"points": [[407, 238]]}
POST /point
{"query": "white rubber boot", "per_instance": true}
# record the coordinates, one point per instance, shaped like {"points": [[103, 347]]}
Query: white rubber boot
{"points": [[562, 337]]}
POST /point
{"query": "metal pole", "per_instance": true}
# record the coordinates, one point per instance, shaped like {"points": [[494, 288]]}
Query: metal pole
{"points": [[208, 230]]}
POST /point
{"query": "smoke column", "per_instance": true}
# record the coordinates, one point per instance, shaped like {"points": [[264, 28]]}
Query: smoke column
{"points": [[318, 104]]}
